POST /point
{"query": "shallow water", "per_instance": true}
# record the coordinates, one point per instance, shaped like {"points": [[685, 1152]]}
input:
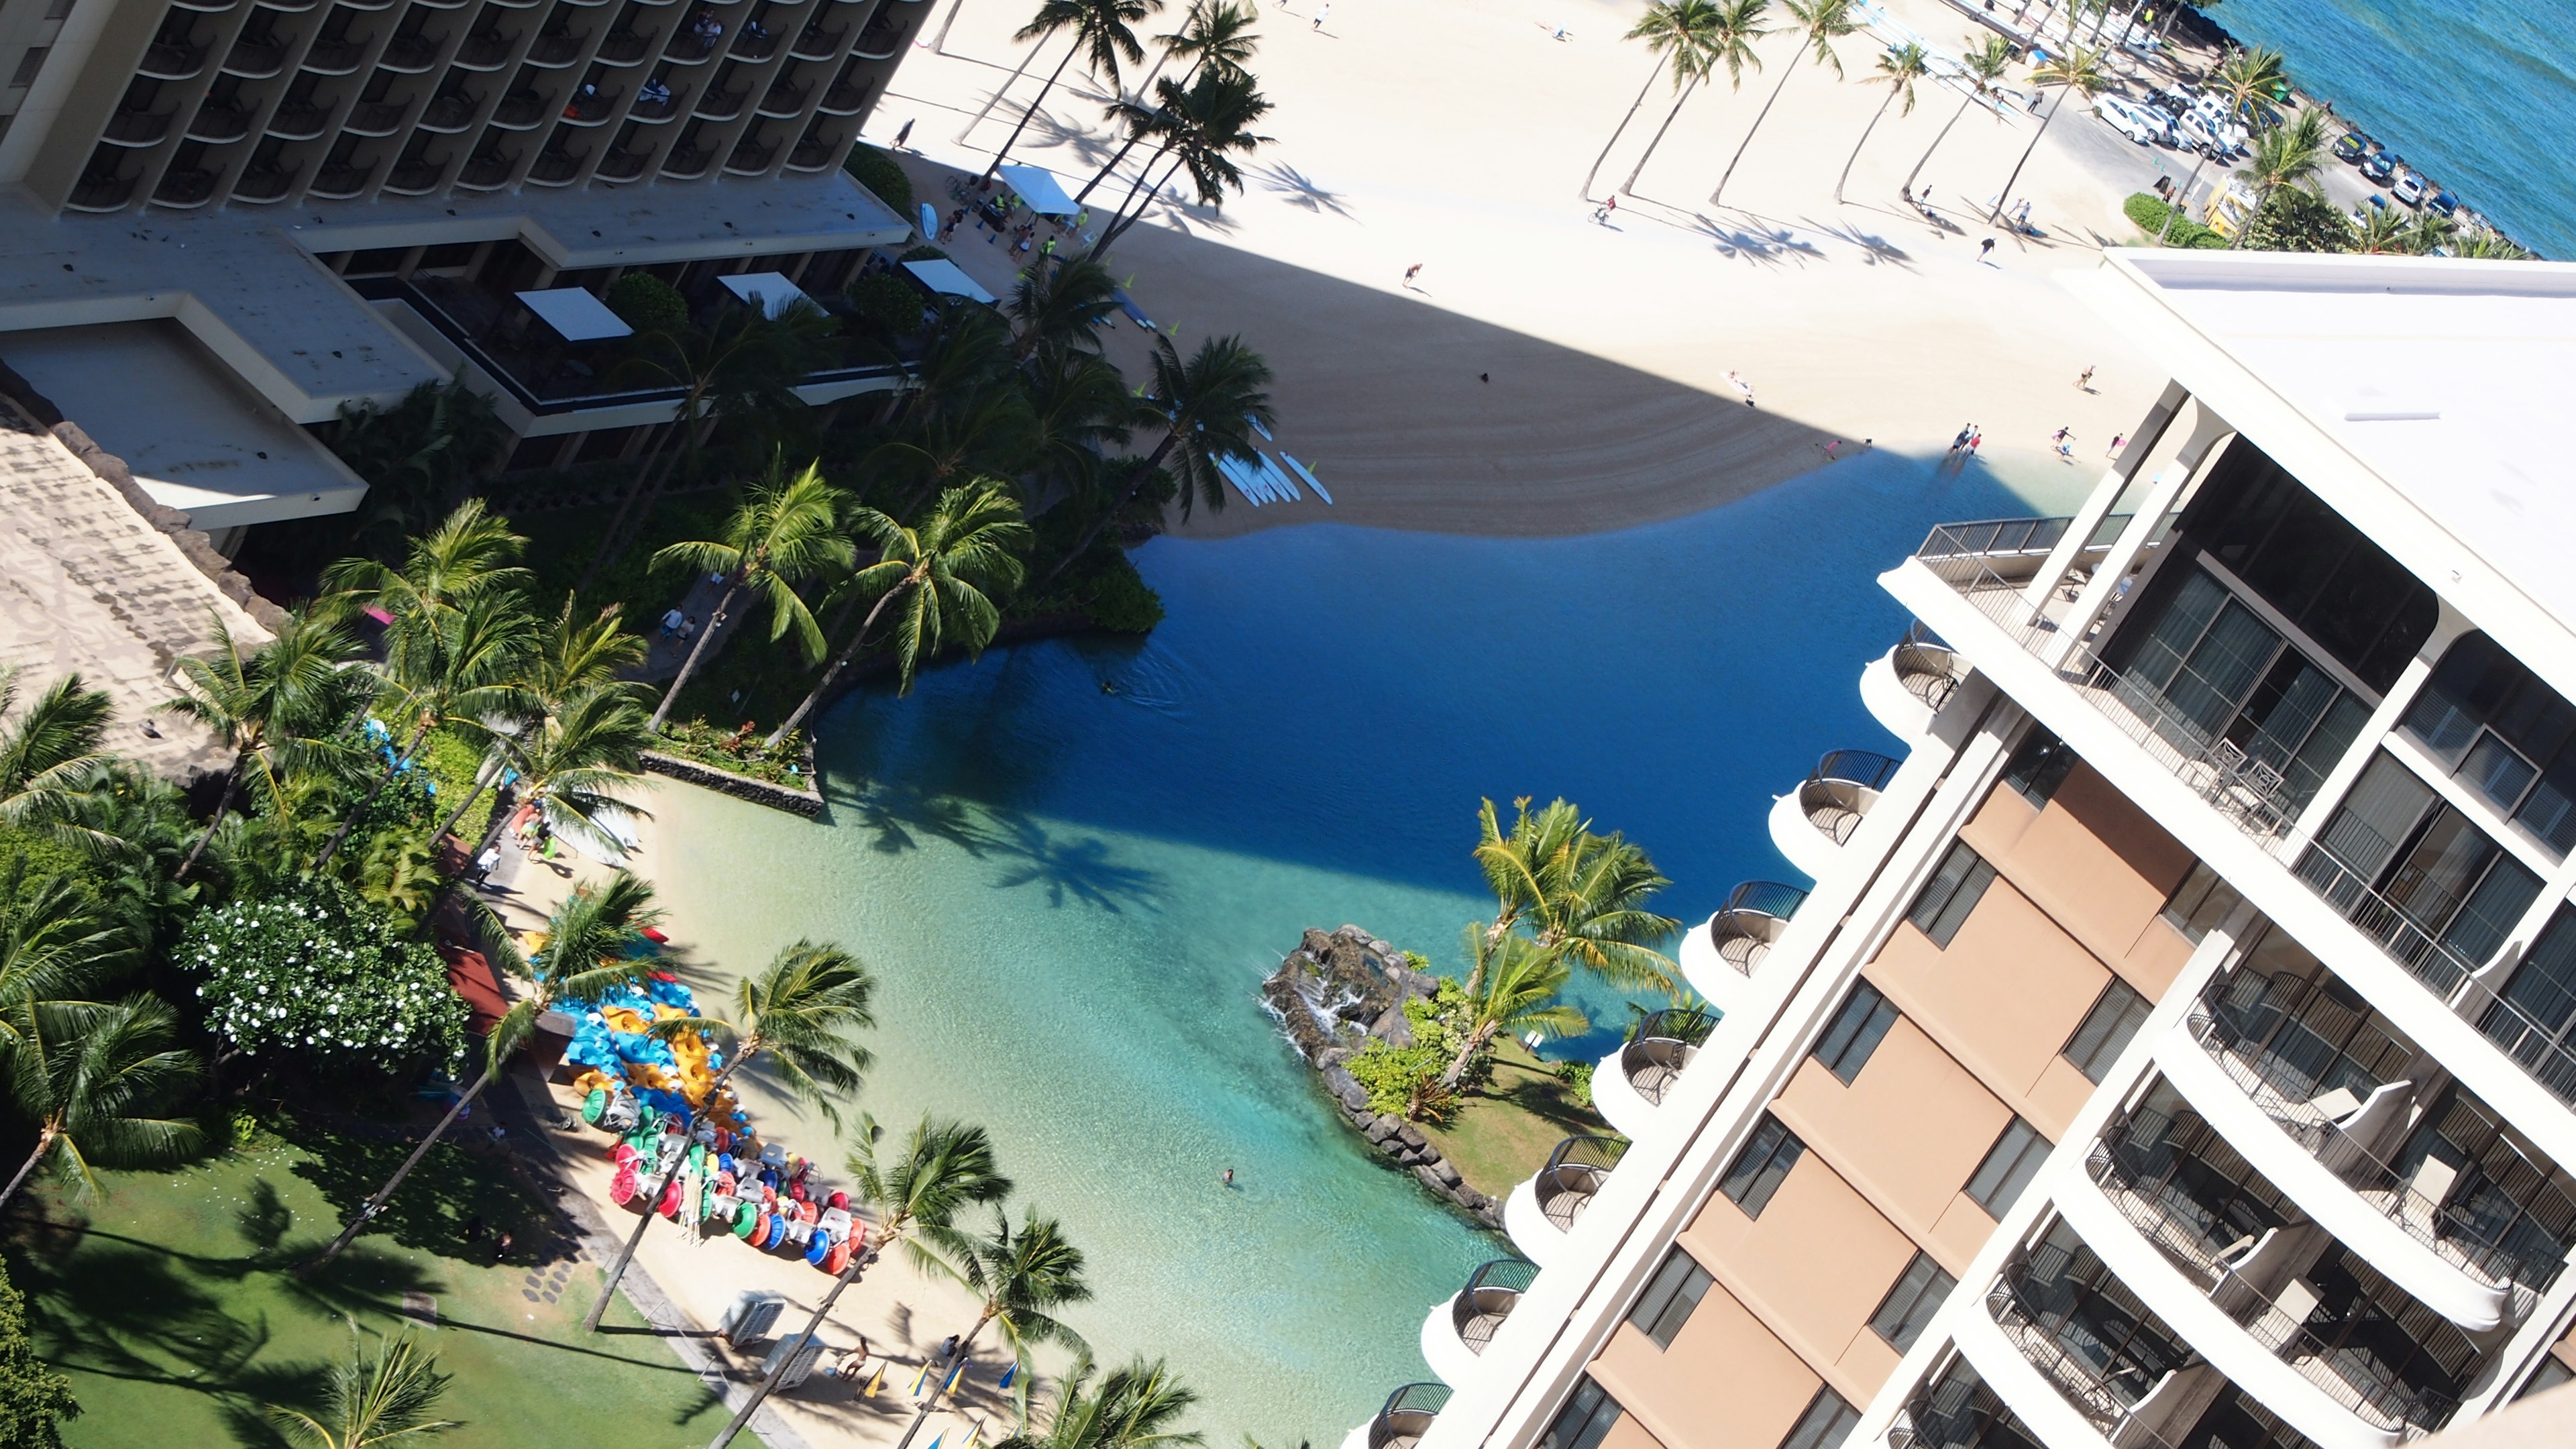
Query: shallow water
{"points": [[1071, 894]]}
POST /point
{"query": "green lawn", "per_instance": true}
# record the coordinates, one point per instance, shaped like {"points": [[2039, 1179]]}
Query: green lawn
{"points": [[170, 1304], [1505, 1129]]}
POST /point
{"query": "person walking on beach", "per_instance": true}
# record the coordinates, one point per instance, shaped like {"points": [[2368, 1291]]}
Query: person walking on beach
{"points": [[2084, 380], [1961, 441], [1831, 449], [1322, 11], [1984, 248], [902, 136], [1741, 386], [1412, 272], [2118, 441], [2060, 436], [1975, 437]]}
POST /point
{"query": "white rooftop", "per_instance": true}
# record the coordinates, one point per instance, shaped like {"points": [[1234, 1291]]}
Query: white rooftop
{"points": [[947, 278], [2427, 399], [771, 290], [576, 315]]}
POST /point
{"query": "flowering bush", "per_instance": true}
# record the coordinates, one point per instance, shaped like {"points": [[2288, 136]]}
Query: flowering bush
{"points": [[317, 970]]}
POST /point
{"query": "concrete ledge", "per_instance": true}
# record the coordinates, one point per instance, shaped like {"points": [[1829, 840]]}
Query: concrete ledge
{"points": [[806, 803]]}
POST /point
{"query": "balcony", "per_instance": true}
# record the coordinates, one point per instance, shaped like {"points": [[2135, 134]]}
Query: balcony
{"points": [[722, 105], [621, 165], [814, 153], [339, 183], [1543, 1210], [749, 44], [489, 50], [556, 168], [626, 47], [688, 49], [450, 114], [411, 54], [367, 4], [376, 118], [167, 61], [486, 173], [593, 108], [878, 41], [261, 184], [784, 99], [335, 57], [1630, 1083], [298, 121], [101, 193], [187, 189], [1458, 1329], [652, 111], [217, 123], [2084, 1333], [818, 41], [416, 177], [1905, 687], [257, 59], [687, 163], [750, 157], [1811, 823], [204, 7], [557, 50], [1755, 915], [1405, 1419], [138, 128], [841, 98], [520, 110]]}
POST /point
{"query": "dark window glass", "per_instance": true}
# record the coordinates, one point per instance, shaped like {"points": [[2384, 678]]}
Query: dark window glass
{"points": [[1855, 1033], [2505, 734], [2200, 903], [1827, 1420], [1585, 1420], [2009, 1166], [1910, 1304], [1759, 1168], [1667, 1302], [2544, 988], [2106, 1030], [1951, 894], [2039, 766]]}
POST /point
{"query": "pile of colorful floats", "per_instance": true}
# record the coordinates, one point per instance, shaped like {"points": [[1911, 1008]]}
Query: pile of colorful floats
{"points": [[658, 1097]]}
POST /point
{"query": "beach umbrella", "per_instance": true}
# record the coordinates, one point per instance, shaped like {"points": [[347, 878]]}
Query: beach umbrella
{"points": [[920, 1378], [954, 1375]]}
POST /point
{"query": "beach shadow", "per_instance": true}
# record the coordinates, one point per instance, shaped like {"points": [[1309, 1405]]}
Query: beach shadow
{"points": [[1299, 188], [1876, 250], [1078, 869], [896, 816]]}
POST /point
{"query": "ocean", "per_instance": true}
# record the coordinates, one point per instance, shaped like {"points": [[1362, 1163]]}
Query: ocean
{"points": [[2479, 95]]}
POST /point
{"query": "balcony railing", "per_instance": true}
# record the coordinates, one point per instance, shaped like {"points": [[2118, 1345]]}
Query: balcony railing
{"points": [[101, 193], [485, 173], [689, 48], [590, 110], [519, 110], [625, 47], [784, 98], [335, 57], [218, 123], [621, 165], [138, 128], [648, 109], [168, 61], [377, 118], [1407, 1416], [412, 178], [1489, 1297], [450, 113], [558, 49], [194, 187], [264, 183], [814, 153], [339, 183], [1927, 668], [1574, 1172], [722, 105], [817, 41], [841, 98], [554, 168], [747, 46], [2101, 1398], [687, 162], [1837, 793], [1661, 1046], [750, 158], [411, 52], [486, 51]]}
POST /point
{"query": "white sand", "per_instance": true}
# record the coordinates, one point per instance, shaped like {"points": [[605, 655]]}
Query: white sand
{"points": [[1456, 134]]}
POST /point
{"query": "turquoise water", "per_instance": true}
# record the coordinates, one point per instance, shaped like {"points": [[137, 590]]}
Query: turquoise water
{"points": [[2478, 94], [1071, 895]]}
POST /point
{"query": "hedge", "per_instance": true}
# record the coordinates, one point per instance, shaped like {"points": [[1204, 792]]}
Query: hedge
{"points": [[876, 171], [2149, 212]]}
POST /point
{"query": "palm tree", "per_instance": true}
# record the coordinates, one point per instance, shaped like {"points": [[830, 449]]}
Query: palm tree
{"points": [[947, 572], [1217, 36], [578, 654], [2486, 245], [258, 705], [92, 1076], [1820, 24], [2383, 231], [1576, 892], [1516, 984], [1673, 31], [1060, 303], [1100, 31], [784, 533], [2077, 69], [2283, 156], [1209, 407], [1019, 1279], [373, 1399], [744, 364], [941, 1170], [803, 1011], [1135, 1407], [1202, 128], [1898, 68], [422, 455], [1080, 407], [2247, 76], [51, 749], [1723, 38], [1984, 63], [594, 944]]}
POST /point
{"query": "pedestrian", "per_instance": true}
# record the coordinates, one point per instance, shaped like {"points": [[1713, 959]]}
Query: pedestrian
{"points": [[688, 628], [1321, 11], [1832, 448], [1961, 441], [1229, 1177], [1923, 199], [1412, 272], [483, 863], [1984, 247], [671, 622], [902, 136], [1975, 437], [501, 1246], [2060, 436], [948, 1350], [1741, 386], [2118, 441], [2084, 380], [1484, 377]]}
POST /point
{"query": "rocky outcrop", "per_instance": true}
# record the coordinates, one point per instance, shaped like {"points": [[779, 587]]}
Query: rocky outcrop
{"points": [[1332, 995]]}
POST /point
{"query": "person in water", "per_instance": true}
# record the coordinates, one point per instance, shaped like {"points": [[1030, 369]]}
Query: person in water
{"points": [[1229, 1177]]}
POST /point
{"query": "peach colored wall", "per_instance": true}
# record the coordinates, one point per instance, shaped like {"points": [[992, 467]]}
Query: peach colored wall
{"points": [[1813, 1267], [2094, 862], [1726, 1382], [1630, 1434], [1906, 1133]]}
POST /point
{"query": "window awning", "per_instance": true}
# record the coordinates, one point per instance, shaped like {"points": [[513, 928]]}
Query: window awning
{"points": [[1038, 187], [943, 276], [771, 290], [576, 315]]}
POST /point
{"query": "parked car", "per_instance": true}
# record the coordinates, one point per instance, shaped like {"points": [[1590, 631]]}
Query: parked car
{"points": [[2127, 119], [2443, 203], [2381, 167], [2408, 188], [2351, 146]]}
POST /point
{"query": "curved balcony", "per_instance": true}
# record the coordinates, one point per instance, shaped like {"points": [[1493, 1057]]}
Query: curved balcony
{"points": [[336, 57], [290, 7], [555, 168], [688, 49], [166, 61], [1458, 1330], [1811, 823], [1543, 1210], [486, 173], [298, 121], [558, 50], [1405, 1419], [626, 47], [185, 190], [1630, 1083], [814, 153], [204, 7], [878, 41], [440, 4], [749, 158], [842, 99], [687, 163], [621, 165], [263, 184], [748, 46], [101, 193], [1905, 687], [1756, 914], [217, 123], [368, 4], [448, 115], [487, 51], [376, 118], [2085, 1335], [137, 128], [415, 178], [591, 110], [257, 59], [411, 54], [722, 105], [818, 41], [339, 183], [520, 110], [784, 99], [653, 112]]}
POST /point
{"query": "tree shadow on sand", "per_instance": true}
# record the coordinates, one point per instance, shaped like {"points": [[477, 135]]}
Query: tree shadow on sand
{"points": [[1299, 188], [1875, 250]]}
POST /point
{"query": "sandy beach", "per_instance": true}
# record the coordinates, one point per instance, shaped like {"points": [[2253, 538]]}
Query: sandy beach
{"points": [[1457, 136]]}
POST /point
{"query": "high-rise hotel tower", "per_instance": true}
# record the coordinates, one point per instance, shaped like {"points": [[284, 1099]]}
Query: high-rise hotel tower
{"points": [[2176, 1045]]}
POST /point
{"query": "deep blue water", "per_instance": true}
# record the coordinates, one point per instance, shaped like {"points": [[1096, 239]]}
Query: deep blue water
{"points": [[2479, 95], [1071, 893]]}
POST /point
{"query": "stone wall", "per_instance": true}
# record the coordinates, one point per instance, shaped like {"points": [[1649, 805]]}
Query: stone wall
{"points": [[742, 787]]}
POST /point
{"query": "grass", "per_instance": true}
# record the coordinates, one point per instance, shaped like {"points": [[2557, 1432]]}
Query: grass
{"points": [[1507, 1127], [171, 1304], [453, 762]]}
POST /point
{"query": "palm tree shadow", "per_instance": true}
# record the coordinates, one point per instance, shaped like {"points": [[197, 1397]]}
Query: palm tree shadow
{"points": [[1077, 869], [1739, 244], [1875, 249], [1299, 188], [897, 816]]}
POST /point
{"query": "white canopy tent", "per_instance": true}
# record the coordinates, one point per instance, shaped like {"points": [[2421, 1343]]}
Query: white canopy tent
{"points": [[576, 315], [771, 290], [943, 276], [1038, 187]]}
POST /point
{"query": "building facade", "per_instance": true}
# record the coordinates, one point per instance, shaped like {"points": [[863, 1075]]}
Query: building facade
{"points": [[2175, 1044]]}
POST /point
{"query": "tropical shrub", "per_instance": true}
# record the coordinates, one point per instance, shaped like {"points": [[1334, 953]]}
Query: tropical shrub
{"points": [[316, 971], [1404, 1081], [1577, 1077], [742, 752], [647, 303], [33, 1398], [2298, 220], [878, 172], [924, 253], [2149, 212], [1117, 598], [888, 303]]}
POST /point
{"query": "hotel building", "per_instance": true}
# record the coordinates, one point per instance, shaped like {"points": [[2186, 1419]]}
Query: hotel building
{"points": [[2173, 1045]]}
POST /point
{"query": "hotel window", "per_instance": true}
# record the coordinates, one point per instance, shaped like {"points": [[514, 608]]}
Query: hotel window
{"points": [[1910, 1305], [1667, 1302], [2200, 903], [1953, 891], [1827, 1420], [2009, 1166], [2542, 992], [1759, 1168], [2393, 835], [2504, 734], [1856, 1032], [2039, 765], [1585, 1420], [2105, 1030]]}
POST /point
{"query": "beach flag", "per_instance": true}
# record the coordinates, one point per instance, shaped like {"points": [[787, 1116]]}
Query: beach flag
{"points": [[919, 1379], [934, 1444], [1008, 1374], [876, 1383], [954, 1375]]}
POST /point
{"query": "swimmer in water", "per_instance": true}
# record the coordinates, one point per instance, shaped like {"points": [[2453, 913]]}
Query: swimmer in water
{"points": [[1229, 1177]]}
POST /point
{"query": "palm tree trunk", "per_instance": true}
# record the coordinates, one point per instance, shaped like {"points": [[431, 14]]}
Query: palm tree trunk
{"points": [[1606, 146], [1110, 236], [1013, 139], [832, 672], [653, 1204], [1144, 177], [2262, 198], [447, 887], [1864, 140], [1630, 185], [1133, 137], [999, 91], [1466, 1052], [223, 803], [44, 1144], [2025, 154], [689, 666], [393, 1184], [2181, 199], [626, 506], [1965, 101], [1746, 144], [939, 45], [848, 1275]]}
